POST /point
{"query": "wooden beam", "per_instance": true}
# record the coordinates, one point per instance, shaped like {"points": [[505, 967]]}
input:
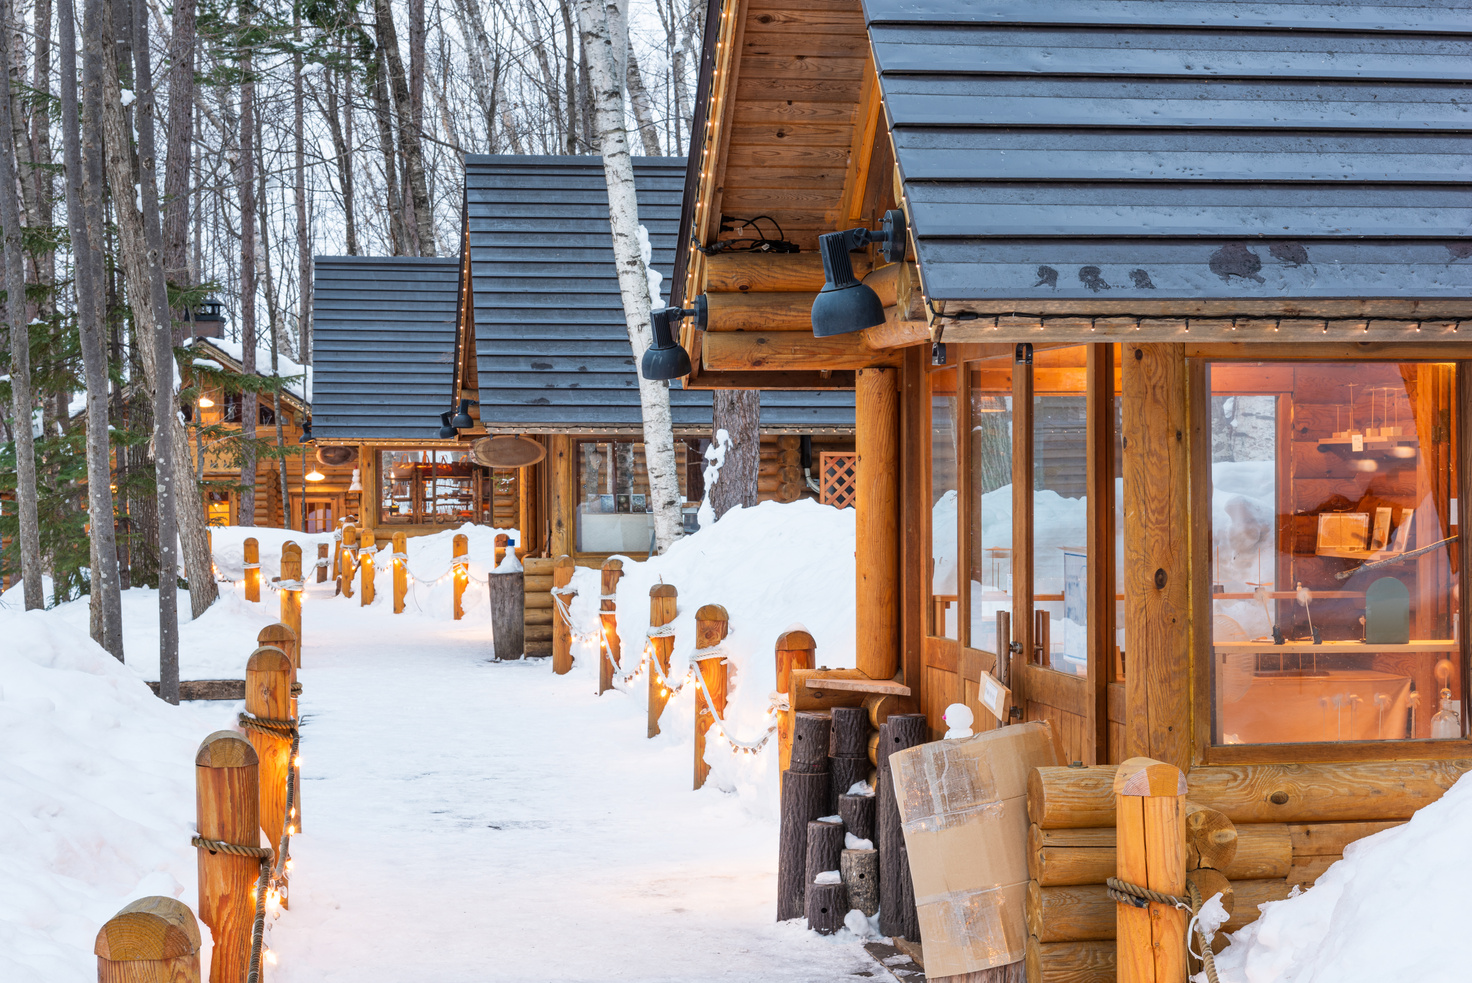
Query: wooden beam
{"points": [[784, 311], [759, 379], [914, 507], [895, 333], [1156, 557], [859, 685], [1101, 321], [877, 417], [752, 272], [861, 148], [739, 351]]}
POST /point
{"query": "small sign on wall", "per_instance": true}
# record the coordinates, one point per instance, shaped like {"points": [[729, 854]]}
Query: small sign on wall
{"points": [[992, 695]]}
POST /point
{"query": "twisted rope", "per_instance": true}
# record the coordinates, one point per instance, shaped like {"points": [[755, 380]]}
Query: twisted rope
{"points": [[251, 722], [258, 927], [1140, 897], [234, 849], [296, 689]]}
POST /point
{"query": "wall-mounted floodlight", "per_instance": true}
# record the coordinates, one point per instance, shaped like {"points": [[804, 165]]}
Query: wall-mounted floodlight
{"points": [[306, 434], [446, 431], [665, 359], [845, 305], [462, 419]]}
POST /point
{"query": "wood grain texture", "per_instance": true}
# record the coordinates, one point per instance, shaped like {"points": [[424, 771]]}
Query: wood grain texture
{"points": [[780, 351], [151, 940], [367, 568], [291, 600], [252, 554], [711, 623], [1330, 839], [1070, 962], [227, 808], [561, 630], [268, 675], [662, 605], [804, 797], [347, 565], [401, 571], [876, 397], [322, 551], [610, 656], [774, 311], [807, 691]]}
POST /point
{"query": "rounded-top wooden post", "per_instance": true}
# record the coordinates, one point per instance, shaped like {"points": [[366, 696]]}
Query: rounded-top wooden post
{"points": [[151, 940], [501, 542], [281, 637], [322, 562], [562, 570], [711, 622], [662, 603], [460, 573], [291, 587], [268, 694], [401, 571], [252, 569], [367, 565], [877, 561], [610, 658], [348, 567], [1150, 852], [795, 650], [226, 776]]}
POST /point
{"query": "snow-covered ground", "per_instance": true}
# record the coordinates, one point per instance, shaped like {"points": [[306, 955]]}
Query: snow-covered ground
{"points": [[463, 819]]}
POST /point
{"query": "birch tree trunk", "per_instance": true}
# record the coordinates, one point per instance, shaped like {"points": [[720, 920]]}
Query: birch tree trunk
{"points": [[29, 542], [739, 413], [605, 41], [249, 403], [477, 50], [105, 597]]}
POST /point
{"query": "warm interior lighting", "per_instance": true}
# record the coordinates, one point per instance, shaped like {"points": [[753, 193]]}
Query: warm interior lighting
{"points": [[315, 475], [205, 401]]}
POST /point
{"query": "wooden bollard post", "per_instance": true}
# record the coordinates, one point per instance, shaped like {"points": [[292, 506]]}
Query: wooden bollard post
{"points": [[281, 637], [366, 565], [290, 590], [610, 657], [460, 573], [499, 548], [322, 562], [252, 569], [795, 650], [562, 596], [337, 550], [710, 630], [1150, 852], [268, 696], [507, 587], [662, 599], [401, 570], [228, 811], [349, 564], [151, 940]]}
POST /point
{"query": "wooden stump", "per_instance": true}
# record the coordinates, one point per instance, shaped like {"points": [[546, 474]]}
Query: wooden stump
{"points": [[810, 742], [860, 872], [561, 631], [826, 907], [348, 566], [268, 694], [804, 797], [850, 735], [322, 562], [857, 813], [795, 650], [508, 613], [662, 601], [291, 590], [151, 940], [1150, 851], [459, 568], [846, 773], [401, 571], [252, 569], [609, 657], [825, 846], [897, 915], [227, 803], [710, 629]]}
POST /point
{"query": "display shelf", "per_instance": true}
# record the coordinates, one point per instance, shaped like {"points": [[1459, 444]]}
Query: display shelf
{"points": [[1335, 648]]}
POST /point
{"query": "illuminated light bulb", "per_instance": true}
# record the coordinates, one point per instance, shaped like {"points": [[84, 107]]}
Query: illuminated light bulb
{"points": [[289, 864], [291, 831], [270, 957]]}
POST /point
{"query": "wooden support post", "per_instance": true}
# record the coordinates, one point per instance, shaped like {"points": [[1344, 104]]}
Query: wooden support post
{"points": [[227, 810], [662, 599], [562, 497], [401, 570], [151, 940], [291, 587], [281, 637], [348, 566], [876, 399], [268, 694], [508, 612], [367, 565], [252, 569], [460, 570], [337, 550], [322, 562], [825, 847], [562, 571], [609, 658], [710, 629], [897, 914], [795, 650], [860, 872], [1150, 807]]}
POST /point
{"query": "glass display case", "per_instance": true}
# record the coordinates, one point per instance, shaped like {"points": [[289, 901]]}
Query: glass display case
{"points": [[615, 510], [432, 486]]}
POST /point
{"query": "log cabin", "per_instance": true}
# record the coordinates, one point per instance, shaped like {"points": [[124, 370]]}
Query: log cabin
{"points": [[1193, 278]]}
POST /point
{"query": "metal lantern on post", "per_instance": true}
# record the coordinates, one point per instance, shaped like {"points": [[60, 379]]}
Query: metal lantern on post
{"points": [[207, 318]]}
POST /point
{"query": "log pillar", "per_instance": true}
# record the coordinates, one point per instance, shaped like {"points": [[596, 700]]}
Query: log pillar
{"points": [[268, 695], [662, 598], [227, 810], [151, 940], [367, 565], [508, 611], [1157, 525], [805, 788], [562, 570], [499, 548], [322, 562], [561, 498], [291, 587], [460, 572], [710, 630], [610, 656], [348, 564], [401, 570], [795, 650], [1150, 852], [877, 408], [252, 569]]}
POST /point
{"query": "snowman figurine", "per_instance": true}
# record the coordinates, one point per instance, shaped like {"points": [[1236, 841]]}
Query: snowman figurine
{"points": [[959, 719]]}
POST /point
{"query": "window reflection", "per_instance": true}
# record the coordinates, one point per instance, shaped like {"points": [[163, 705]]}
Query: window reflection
{"points": [[944, 555], [1060, 497], [991, 499]]}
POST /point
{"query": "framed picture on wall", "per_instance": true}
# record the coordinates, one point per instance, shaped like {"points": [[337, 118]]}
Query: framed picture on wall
{"points": [[638, 503], [1343, 532], [605, 503], [623, 502]]}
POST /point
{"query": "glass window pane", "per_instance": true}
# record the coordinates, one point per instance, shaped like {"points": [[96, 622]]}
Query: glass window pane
{"points": [[431, 486], [1060, 496], [944, 554], [1333, 510], [991, 499], [615, 508]]}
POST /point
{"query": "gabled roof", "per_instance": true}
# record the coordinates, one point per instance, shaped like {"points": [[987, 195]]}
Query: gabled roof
{"points": [[384, 336], [551, 344], [1184, 156]]}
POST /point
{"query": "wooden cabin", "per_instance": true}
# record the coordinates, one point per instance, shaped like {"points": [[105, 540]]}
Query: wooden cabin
{"points": [[1197, 276]]}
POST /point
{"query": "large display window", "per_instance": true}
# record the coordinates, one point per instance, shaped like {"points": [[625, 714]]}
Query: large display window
{"points": [[615, 510], [1333, 560], [432, 486]]}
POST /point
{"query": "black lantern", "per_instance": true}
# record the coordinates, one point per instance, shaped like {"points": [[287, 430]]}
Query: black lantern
{"points": [[845, 305], [446, 432], [462, 419], [665, 359], [208, 311]]}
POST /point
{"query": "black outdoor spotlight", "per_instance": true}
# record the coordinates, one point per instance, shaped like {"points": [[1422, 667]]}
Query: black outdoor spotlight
{"points": [[665, 359], [462, 419], [845, 305], [306, 435], [446, 431]]}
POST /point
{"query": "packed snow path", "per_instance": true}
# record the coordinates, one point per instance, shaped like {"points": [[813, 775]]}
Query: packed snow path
{"points": [[467, 820]]}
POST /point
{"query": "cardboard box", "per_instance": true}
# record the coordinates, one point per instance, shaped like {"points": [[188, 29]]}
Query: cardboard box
{"points": [[963, 805]]}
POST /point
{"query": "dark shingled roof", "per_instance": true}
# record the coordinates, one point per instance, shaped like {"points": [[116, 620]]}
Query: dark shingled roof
{"points": [[383, 331], [1161, 149], [552, 348]]}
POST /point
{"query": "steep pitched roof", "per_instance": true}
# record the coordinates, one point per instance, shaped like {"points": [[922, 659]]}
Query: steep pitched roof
{"points": [[384, 339]]}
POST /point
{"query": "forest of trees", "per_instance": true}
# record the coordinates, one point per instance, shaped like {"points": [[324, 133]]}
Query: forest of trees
{"points": [[153, 157]]}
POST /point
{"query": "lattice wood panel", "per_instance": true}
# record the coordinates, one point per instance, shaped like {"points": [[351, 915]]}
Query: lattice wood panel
{"points": [[839, 479]]}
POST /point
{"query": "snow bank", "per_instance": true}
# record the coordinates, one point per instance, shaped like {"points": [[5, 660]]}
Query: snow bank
{"points": [[1392, 909], [96, 795]]}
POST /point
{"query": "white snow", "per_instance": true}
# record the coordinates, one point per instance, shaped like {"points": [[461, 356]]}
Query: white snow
{"points": [[852, 842], [828, 877]]}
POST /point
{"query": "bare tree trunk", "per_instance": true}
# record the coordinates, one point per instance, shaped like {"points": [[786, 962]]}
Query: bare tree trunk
{"points": [[570, 75], [739, 413], [605, 40], [249, 412], [29, 543], [177, 156], [643, 109], [411, 143], [477, 50], [398, 236], [303, 243], [277, 332], [340, 125]]}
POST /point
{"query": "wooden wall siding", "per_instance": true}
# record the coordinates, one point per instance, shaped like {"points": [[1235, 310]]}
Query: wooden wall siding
{"points": [[1058, 698]]}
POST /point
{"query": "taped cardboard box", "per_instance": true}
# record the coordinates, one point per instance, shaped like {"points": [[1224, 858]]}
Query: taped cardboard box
{"points": [[963, 805]]}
